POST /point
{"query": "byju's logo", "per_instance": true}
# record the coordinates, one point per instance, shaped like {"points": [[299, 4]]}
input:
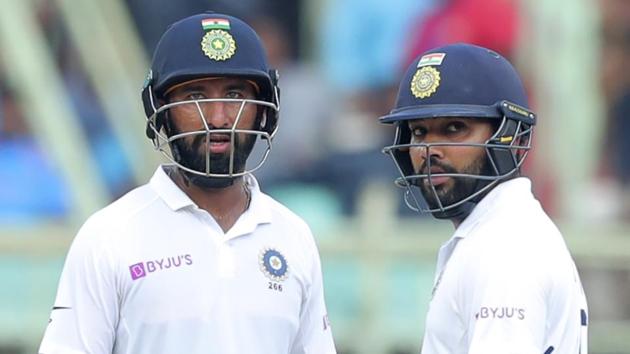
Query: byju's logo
{"points": [[137, 271], [142, 269], [500, 313]]}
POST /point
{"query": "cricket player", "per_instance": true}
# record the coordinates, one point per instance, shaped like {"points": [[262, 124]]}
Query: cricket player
{"points": [[505, 281], [199, 260]]}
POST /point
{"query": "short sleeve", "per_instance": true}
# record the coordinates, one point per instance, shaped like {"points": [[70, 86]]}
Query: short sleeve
{"points": [[85, 312], [314, 334], [504, 306]]}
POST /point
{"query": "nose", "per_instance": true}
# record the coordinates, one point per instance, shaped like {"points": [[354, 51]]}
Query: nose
{"points": [[426, 153], [432, 152], [429, 149], [218, 115]]}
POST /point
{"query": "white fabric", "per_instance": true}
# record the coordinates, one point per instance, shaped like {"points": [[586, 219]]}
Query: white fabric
{"points": [[506, 283], [196, 289]]}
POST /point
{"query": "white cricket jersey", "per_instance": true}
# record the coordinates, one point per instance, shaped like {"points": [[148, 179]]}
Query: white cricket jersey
{"points": [[506, 283], [153, 274]]}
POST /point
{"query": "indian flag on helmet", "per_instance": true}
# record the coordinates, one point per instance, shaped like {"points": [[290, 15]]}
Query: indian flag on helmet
{"points": [[215, 23], [431, 59]]}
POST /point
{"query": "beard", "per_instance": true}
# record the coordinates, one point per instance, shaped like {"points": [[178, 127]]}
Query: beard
{"points": [[461, 187], [193, 156]]}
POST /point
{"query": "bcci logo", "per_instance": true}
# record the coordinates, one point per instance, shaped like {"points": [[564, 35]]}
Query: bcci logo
{"points": [[218, 45], [273, 264], [425, 82]]}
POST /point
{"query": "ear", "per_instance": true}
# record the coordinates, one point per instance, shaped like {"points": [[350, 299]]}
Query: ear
{"points": [[263, 119]]}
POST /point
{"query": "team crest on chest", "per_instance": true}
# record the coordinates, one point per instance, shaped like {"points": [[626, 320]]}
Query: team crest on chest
{"points": [[425, 82], [218, 45], [273, 264]]}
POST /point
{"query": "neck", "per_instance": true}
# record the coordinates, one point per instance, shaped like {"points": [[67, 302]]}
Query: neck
{"points": [[225, 204], [456, 222]]}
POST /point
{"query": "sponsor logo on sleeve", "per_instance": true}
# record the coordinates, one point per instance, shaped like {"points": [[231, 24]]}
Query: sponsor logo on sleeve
{"points": [[500, 313]]}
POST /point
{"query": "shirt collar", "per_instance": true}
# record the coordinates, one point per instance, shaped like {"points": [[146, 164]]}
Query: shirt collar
{"points": [[499, 197], [259, 204], [259, 211], [167, 190]]}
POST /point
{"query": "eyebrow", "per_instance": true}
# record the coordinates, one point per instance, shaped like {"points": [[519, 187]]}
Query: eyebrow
{"points": [[192, 88], [238, 86], [230, 86], [415, 123]]}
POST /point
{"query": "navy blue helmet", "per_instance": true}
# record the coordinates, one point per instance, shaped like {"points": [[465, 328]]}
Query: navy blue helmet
{"points": [[204, 46], [461, 80]]}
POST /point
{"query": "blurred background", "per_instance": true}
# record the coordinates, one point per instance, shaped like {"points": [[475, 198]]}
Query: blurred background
{"points": [[72, 140]]}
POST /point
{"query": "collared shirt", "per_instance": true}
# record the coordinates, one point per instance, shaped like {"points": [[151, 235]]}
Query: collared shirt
{"points": [[153, 273], [506, 283]]}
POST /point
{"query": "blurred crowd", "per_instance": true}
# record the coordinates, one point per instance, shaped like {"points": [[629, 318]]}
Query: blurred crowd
{"points": [[340, 62], [615, 83]]}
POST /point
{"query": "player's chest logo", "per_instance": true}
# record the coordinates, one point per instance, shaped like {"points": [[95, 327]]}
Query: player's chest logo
{"points": [[274, 266]]}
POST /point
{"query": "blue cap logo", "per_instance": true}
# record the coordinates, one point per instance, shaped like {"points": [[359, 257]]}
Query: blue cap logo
{"points": [[425, 82], [218, 45]]}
